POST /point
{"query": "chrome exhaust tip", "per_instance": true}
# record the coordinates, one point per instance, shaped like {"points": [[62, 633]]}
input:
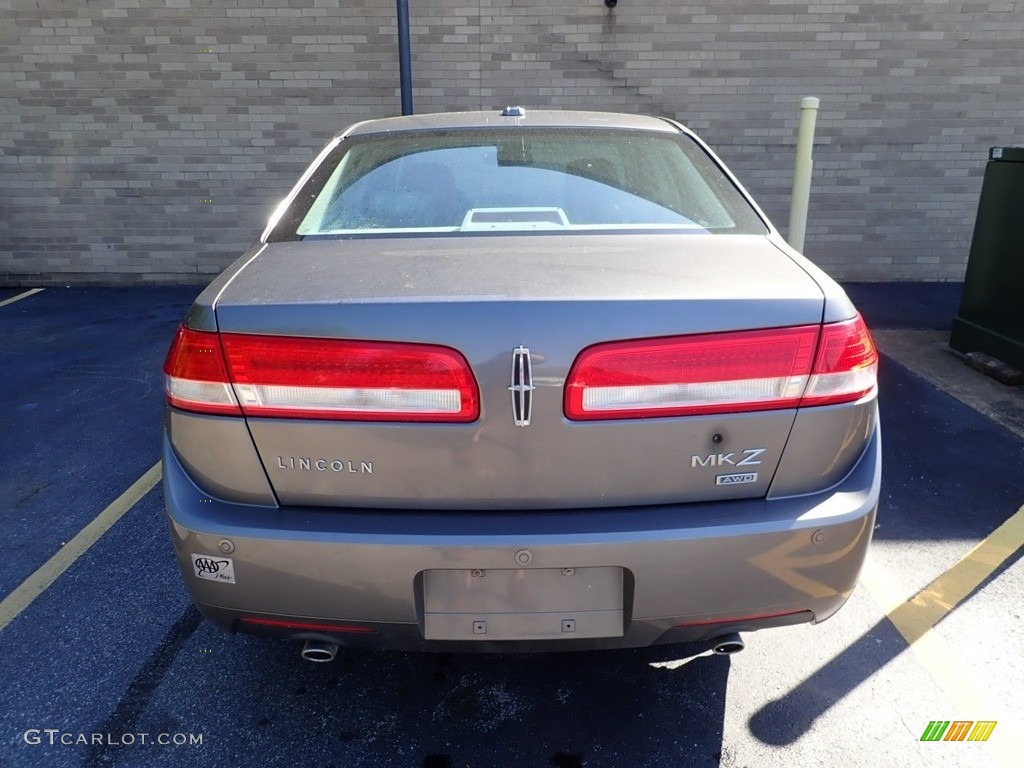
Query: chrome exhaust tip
{"points": [[726, 645], [319, 651]]}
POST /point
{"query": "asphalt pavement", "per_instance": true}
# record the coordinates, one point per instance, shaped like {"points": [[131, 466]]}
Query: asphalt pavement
{"points": [[112, 657]]}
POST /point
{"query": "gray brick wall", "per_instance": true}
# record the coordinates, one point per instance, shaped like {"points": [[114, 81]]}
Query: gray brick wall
{"points": [[148, 141]]}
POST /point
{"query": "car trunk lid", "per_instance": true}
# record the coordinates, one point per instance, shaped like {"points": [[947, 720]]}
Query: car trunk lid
{"points": [[486, 297]]}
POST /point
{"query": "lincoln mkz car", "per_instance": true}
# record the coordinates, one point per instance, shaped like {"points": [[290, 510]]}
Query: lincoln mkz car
{"points": [[520, 381]]}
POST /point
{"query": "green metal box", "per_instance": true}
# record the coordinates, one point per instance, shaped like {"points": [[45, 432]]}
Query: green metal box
{"points": [[991, 316]]}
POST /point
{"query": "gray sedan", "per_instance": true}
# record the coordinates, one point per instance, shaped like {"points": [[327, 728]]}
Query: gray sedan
{"points": [[520, 381]]}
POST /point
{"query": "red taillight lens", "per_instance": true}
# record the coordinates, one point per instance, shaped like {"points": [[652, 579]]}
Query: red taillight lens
{"points": [[722, 372], [340, 379], [846, 367], [690, 375], [319, 378], [195, 376]]}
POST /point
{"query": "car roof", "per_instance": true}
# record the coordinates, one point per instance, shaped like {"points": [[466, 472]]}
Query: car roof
{"points": [[534, 118]]}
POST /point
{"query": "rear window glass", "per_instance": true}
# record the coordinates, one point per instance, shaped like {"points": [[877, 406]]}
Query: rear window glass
{"points": [[500, 180]]}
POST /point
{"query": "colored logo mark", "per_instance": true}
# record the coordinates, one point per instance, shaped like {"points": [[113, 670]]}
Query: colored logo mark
{"points": [[958, 730]]}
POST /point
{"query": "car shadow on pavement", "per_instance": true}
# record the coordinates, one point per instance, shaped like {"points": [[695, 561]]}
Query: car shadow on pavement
{"points": [[783, 721], [566, 710], [934, 490]]}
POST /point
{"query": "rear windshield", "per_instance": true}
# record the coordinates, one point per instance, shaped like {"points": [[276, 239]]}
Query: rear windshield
{"points": [[500, 180]]}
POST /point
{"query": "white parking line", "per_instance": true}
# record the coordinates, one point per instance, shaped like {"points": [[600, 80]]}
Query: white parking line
{"points": [[20, 296], [32, 587]]}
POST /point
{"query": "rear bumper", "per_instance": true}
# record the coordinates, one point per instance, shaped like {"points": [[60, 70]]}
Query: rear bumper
{"points": [[690, 572]]}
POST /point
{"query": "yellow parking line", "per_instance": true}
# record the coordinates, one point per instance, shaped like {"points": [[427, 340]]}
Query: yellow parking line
{"points": [[915, 618], [928, 607], [48, 572], [20, 296]]}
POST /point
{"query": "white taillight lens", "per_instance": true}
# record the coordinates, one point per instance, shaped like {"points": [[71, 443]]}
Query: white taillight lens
{"points": [[699, 395], [319, 378], [364, 400], [723, 372]]}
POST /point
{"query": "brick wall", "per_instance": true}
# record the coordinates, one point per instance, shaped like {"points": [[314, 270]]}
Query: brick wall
{"points": [[147, 140]]}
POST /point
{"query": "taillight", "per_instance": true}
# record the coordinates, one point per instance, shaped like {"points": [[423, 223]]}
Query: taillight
{"points": [[340, 379], [729, 372], [846, 366], [294, 377], [195, 376]]}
